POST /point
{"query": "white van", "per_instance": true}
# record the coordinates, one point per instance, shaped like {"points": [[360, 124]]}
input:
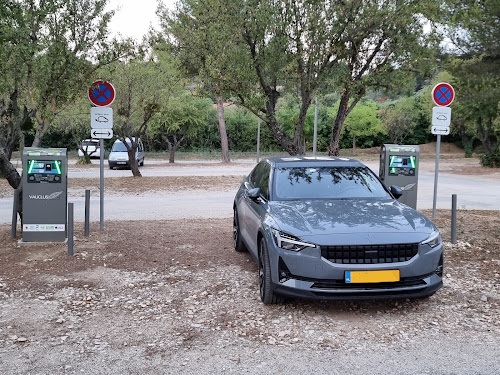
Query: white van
{"points": [[118, 156]]}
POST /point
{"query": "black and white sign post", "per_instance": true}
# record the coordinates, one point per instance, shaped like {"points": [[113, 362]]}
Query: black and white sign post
{"points": [[101, 94], [442, 94]]}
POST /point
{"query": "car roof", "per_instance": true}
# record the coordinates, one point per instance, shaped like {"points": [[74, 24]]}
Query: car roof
{"points": [[310, 161]]}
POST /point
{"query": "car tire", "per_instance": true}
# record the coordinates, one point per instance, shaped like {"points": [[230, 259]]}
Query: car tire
{"points": [[141, 163], [267, 295], [237, 241]]}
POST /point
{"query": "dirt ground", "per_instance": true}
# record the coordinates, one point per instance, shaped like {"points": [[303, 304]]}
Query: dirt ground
{"points": [[149, 294], [172, 296]]}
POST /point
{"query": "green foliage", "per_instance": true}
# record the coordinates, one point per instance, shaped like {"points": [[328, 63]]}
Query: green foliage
{"points": [[181, 118], [492, 159], [363, 121], [476, 111], [400, 120], [144, 88], [256, 51], [241, 127]]}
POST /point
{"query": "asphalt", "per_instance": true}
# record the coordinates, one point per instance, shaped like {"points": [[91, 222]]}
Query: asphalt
{"points": [[473, 192]]}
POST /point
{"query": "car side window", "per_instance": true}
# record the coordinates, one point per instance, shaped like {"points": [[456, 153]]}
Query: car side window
{"points": [[264, 181], [255, 175]]}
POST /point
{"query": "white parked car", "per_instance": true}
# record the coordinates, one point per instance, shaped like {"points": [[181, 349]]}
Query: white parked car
{"points": [[118, 156], [91, 146]]}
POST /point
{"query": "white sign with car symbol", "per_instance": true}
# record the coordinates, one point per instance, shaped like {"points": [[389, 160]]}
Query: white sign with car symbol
{"points": [[101, 118]]}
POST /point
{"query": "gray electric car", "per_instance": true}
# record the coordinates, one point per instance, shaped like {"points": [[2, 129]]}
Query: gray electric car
{"points": [[327, 228]]}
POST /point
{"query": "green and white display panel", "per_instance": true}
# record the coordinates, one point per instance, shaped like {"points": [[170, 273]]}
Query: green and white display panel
{"points": [[45, 194], [399, 166]]}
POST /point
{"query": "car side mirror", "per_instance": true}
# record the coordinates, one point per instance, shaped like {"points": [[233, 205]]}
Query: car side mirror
{"points": [[396, 191], [254, 193]]}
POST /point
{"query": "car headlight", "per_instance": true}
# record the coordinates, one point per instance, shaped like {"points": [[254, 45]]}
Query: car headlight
{"points": [[433, 240], [288, 242], [112, 157]]}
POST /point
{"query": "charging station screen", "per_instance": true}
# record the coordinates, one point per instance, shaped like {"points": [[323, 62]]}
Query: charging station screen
{"points": [[402, 165], [44, 171]]}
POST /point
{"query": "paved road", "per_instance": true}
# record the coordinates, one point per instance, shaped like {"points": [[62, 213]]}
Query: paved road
{"points": [[474, 192]]}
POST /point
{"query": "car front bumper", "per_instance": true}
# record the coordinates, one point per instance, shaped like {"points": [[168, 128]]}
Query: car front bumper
{"points": [[306, 274], [118, 164]]}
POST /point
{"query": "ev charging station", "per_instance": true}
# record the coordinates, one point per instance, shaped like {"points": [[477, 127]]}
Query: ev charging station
{"points": [[45, 194], [399, 166]]}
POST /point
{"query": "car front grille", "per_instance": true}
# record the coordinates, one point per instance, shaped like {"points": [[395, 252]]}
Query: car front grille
{"points": [[405, 282], [369, 254]]}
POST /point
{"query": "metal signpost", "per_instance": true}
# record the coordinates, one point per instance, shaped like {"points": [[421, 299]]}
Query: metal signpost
{"points": [[101, 94], [258, 140], [443, 95], [315, 136]]}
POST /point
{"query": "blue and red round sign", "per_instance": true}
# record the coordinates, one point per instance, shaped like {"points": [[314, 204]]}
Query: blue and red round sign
{"points": [[443, 94], [101, 93]]}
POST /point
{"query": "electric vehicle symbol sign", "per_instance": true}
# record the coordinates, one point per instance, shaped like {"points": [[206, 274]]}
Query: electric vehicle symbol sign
{"points": [[443, 94], [101, 93]]}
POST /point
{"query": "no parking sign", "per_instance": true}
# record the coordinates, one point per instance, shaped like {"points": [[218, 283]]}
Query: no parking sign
{"points": [[101, 93], [443, 94]]}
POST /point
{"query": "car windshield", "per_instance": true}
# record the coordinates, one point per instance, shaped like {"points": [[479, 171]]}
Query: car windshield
{"points": [[292, 183], [119, 147]]}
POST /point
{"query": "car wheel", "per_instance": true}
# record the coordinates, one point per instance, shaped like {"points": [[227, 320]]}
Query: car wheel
{"points": [[142, 163], [238, 242], [266, 294]]}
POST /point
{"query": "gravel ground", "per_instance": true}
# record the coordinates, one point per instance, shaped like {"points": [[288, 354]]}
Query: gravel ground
{"points": [[173, 297]]}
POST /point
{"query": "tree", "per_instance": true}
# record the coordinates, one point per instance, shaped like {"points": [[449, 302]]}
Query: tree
{"points": [[272, 47], [14, 113], [198, 33], [50, 50], [144, 87], [473, 27], [74, 120], [400, 119], [385, 43], [180, 120], [363, 122], [478, 101]]}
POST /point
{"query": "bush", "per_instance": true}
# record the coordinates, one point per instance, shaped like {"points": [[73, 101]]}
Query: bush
{"points": [[491, 160]]}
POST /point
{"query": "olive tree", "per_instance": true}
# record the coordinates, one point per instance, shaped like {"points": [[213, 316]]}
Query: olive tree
{"points": [[272, 47]]}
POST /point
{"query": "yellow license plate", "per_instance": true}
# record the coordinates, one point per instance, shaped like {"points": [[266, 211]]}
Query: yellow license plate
{"points": [[382, 276]]}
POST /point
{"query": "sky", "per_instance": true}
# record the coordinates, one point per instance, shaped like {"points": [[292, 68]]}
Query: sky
{"points": [[133, 18]]}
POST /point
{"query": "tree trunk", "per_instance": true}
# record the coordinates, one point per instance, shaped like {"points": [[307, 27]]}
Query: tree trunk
{"points": [[42, 126], [339, 122], [486, 134], [133, 162], [285, 141], [222, 130], [172, 147], [298, 138], [22, 141], [171, 155], [354, 145], [8, 170]]}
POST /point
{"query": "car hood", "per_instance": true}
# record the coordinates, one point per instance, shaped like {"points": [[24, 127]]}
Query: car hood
{"points": [[357, 221]]}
